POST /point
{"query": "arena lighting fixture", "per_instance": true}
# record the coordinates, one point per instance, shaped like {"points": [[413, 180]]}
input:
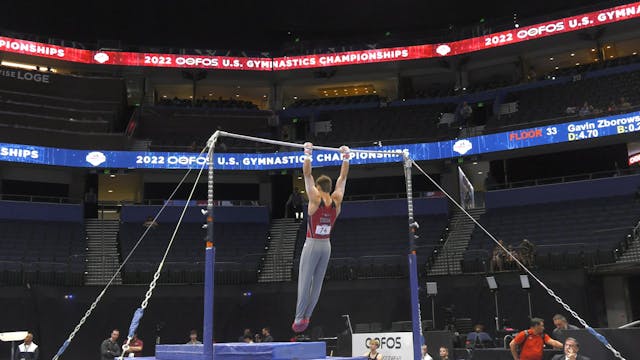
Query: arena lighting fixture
{"points": [[593, 50], [432, 291], [573, 54], [557, 67], [491, 281], [577, 63], [608, 46], [524, 282], [551, 59], [18, 65], [634, 53], [109, 191], [112, 175], [493, 286]]}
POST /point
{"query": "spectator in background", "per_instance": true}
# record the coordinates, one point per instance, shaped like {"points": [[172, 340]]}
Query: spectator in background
{"points": [[28, 350], [150, 223], [571, 348], [247, 332], [373, 353], [624, 104], [294, 204], [425, 354], [135, 347], [266, 335], [110, 348], [247, 339], [478, 338], [586, 109], [527, 252], [444, 353], [561, 324], [465, 112], [193, 338], [612, 107], [497, 258], [509, 262], [532, 75], [257, 338]]}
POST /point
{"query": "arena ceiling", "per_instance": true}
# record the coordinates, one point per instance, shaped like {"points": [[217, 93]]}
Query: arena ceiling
{"points": [[266, 25]]}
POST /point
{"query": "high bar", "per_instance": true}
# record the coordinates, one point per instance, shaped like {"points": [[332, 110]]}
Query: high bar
{"points": [[290, 144]]}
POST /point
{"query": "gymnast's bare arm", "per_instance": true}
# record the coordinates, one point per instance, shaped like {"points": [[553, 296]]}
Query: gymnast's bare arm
{"points": [[309, 182], [341, 183]]}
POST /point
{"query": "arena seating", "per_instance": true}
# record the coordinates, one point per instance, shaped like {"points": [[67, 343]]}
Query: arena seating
{"points": [[336, 101], [42, 252], [188, 129], [240, 248], [210, 103], [567, 234], [548, 104], [390, 125], [63, 103]]}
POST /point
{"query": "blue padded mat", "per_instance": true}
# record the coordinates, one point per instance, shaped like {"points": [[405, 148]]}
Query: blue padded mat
{"points": [[241, 351]]}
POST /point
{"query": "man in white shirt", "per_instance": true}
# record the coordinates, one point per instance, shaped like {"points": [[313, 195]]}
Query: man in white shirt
{"points": [[425, 355], [28, 350]]}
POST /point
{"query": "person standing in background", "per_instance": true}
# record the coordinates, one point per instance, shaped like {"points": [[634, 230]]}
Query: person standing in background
{"points": [[110, 348], [28, 350]]}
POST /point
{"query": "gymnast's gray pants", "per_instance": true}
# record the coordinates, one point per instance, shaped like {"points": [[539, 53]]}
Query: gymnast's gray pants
{"points": [[313, 265]]}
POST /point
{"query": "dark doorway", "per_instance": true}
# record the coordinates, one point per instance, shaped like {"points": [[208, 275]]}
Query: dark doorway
{"points": [[281, 188]]}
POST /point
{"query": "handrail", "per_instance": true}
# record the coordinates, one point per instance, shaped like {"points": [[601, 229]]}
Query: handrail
{"points": [[366, 257], [33, 198], [59, 98], [564, 179], [56, 118]]}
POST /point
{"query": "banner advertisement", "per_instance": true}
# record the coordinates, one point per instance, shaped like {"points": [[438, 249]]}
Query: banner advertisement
{"points": [[516, 35], [505, 141], [393, 345]]}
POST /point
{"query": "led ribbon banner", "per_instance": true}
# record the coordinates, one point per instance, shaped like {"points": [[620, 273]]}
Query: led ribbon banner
{"points": [[525, 33], [518, 139]]}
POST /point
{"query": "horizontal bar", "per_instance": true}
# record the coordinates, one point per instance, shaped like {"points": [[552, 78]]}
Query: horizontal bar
{"points": [[284, 143]]}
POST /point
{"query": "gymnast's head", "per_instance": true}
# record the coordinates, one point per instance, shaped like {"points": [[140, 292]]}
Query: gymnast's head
{"points": [[324, 183]]}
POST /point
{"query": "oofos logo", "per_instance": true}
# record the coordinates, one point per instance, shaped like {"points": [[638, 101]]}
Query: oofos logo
{"points": [[386, 342]]}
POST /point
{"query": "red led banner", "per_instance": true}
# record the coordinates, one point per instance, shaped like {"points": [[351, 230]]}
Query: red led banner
{"points": [[569, 24]]}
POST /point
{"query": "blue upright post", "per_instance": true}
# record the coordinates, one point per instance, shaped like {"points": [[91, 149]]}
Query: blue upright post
{"points": [[413, 265], [210, 260]]}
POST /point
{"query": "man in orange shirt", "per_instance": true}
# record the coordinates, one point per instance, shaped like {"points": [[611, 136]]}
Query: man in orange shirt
{"points": [[532, 341]]}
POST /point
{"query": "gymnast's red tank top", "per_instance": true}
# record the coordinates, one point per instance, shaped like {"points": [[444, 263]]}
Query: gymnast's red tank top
{"points": [[320, 223]]}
